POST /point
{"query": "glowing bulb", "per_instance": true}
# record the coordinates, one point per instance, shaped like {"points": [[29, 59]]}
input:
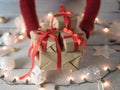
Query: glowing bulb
{"points": [[28, 79], [96, 19], [105, 68], [21, 37], [5, 75], [41, 88], [84, 77], [15, 79], [49, 15], [70, 78], [82, 14], [23, 31], [106, 84], [106, 30], [71, 70], [4, 47]]}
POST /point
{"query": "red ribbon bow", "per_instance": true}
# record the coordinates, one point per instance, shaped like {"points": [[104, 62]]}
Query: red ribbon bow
{"points": [[78, 40], [65, 14], [44, 35]]}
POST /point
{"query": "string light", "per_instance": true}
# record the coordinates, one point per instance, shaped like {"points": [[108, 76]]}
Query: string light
{"points": [[4, 47], [15, 79], [23, 31], [41, 88], [21, 37], [49, 15], [106, 83], [97, 20], [106, 68], [28, 79], [106, 30], [82, 14]]}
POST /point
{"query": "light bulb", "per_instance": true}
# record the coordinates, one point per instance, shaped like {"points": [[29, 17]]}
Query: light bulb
{"points": [[21, 37], [106, 83], [4, 47], [23, 31], [5, 74], [106, 30], [41, 88], [105, 68], [15, 79], [82, 14], [28, 79], [70, 78], [49, 15], [84, 77]]}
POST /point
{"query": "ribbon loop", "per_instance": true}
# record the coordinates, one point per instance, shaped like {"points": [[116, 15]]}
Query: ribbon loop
{"points": [[65, 14]]}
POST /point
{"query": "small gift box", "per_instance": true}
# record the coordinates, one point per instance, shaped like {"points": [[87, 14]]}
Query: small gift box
{"points": [[59, 21], [70, 61], [50, 43], [73, 40]]}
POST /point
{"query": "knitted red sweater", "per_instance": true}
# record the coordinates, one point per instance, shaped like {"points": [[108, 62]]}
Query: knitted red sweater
{"points": [[29, 15]]}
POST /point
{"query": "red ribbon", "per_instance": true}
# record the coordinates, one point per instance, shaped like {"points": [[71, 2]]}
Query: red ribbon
{"points": [[78, 40], [65, 14], [44, 35]]}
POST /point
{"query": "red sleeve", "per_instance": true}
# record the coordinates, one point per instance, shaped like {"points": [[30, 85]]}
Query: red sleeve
{"points": [[28, 11], [91, 11]]}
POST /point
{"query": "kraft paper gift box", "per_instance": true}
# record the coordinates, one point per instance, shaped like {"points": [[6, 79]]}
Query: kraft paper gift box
{"points": [[68, 43], [58, 22], [50, 42], [70, 61]]}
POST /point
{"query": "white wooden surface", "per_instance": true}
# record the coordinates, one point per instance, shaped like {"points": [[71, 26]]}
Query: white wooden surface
{"points": [[10, 9]]}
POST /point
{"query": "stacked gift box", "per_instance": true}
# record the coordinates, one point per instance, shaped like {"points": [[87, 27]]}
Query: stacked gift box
{"points": [[62, 45]]}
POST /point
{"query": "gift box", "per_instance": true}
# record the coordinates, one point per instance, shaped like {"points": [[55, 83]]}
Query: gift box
{"points": [[59, 21], [50, 42], [70, 61], [69, 42]]}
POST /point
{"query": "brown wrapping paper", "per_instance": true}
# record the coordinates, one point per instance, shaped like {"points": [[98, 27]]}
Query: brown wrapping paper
{"points": [[70, 61], [50, 42], [60, 24], [68, 43]]}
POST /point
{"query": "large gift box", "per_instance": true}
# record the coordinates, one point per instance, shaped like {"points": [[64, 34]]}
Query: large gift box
{"points": [[70, 61]]}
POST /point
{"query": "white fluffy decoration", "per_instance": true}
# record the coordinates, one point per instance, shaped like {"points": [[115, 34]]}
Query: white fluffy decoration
{"points": [[19, 23], [8, 38], [38, 76], [7, 63]]}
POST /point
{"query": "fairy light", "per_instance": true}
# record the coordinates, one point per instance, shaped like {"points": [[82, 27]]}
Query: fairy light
{"points": [[97, 20], [105, 68], [84, 77], [23, 31], [82, 14], [4, 47], [106, 30], [49, 15], [21, 37], [15, 79], [28, 79], [41, 88], [106, 83], [70, 78]]}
